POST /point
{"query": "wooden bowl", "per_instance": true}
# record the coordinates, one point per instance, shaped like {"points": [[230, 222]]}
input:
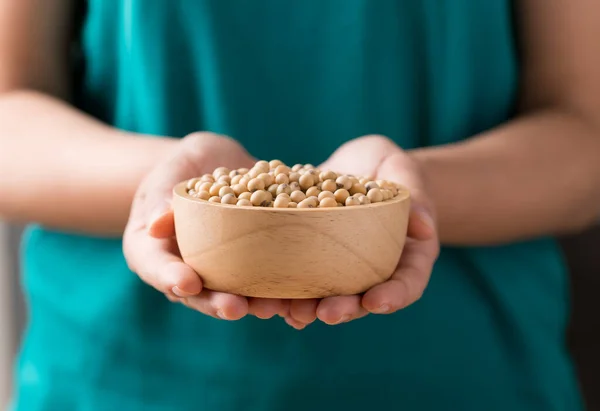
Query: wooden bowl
{"points": [[290, 252]]}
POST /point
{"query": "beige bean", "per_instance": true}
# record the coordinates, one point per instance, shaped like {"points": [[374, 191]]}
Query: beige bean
{"points": [[294, 177], [284, 188], [282, 169], [328, 202], [364, 200], [328, 175], [239, 189], [254, 172], [306, 204], [192, 183], [260, 198], [358, 188], [203, 195], [242, 202], [273, 189], [236, 179], [344, 182], [370, 185], [203, 186], [228, 199], [313, 192], [220, 171], [225, 179], [313, 200], [325, 194], [281, 201], [216, 187], [351, 201], [256, 184], [297, 196], [245, 180], [341, 195], [375, 195], [262, 166], [282, 179], [267, 178], [225, 190], [208, 177], [273, 164], [245, 195], [329, 185], [306, 181]]}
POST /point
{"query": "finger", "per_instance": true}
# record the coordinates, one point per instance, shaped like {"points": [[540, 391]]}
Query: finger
{"points": [[162, 226], [219, 305], [409, 281], [285, 312], [420, 224], [172, 299], [295, 324], [304, 311], [340, 309], [157, 263], [265, 308], [343, 159]]}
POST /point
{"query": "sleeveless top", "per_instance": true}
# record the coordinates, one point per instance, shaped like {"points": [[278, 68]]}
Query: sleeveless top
{"points": [[293, 80]]}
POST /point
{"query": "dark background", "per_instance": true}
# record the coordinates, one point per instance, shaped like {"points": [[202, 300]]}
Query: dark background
{"points": [[583, 256]]}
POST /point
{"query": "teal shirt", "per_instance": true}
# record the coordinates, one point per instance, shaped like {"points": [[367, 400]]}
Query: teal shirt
{"points": [[294, 80]]}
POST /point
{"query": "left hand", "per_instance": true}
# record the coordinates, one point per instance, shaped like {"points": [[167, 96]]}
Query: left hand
{"points": [[379, 157]]}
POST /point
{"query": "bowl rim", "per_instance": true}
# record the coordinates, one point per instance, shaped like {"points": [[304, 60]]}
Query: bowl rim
{"points": [[180, 191]]}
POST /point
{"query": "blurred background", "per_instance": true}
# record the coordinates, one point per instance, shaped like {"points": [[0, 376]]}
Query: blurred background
{"points": [[582, 252], [12, 312]]}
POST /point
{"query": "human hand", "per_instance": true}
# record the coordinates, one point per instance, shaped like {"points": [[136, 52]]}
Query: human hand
{"points": [[149, 241], [379, 158]]}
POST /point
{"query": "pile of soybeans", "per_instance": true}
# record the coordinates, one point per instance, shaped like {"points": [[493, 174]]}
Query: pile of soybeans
{"points": [[273, 184]]}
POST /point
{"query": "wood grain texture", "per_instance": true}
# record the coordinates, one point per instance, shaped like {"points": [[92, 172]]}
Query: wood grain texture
{"points": [[290, 253]]}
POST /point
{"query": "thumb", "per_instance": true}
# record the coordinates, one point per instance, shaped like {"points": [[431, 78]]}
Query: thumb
{"points": [[400, 167], [162, 225]]}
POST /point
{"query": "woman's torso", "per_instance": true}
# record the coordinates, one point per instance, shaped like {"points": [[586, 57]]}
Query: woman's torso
{"points": [[293, 80]]}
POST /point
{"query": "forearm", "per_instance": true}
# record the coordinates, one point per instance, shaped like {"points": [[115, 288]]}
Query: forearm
{"points": [[66, 170], [537, 175]]}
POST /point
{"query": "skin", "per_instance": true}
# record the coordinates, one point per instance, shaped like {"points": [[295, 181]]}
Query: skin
{"points": [[383, 159], [520, 180], [85, 171]]}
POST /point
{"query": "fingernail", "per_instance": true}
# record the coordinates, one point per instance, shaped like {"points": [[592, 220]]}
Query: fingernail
{"points": [[264, 316], [425, 217], [343, 319], [180, 293], [221, 315], [297, 325], [383, 308]]}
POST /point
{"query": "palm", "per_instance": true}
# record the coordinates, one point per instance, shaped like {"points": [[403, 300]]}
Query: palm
{"points": [[380, 158]]}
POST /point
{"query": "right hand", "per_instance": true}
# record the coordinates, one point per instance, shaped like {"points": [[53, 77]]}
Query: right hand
{"points": [[149, 241]]}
